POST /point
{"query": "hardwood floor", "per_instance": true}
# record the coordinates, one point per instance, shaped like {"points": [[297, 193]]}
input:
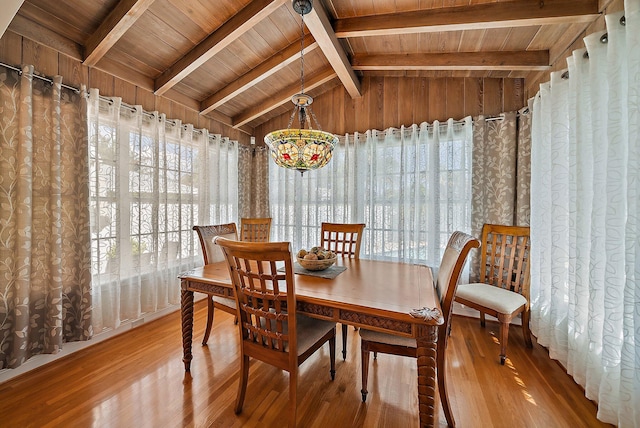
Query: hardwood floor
{"points": [[137, 379]]}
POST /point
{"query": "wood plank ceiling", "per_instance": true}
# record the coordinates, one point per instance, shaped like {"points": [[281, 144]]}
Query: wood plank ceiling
{"points": [[238, 61]]}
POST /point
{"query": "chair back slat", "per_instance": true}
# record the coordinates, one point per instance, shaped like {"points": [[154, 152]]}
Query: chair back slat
{"points": [[342, 238], [265, 295], [505, 257], [255, 229]]}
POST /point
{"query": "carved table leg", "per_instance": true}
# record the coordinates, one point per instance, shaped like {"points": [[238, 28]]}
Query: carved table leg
{"points": [[426, 353], [186, 311]]}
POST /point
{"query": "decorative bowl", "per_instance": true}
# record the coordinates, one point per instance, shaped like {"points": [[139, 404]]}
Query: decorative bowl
{"points": [[316, 264]]}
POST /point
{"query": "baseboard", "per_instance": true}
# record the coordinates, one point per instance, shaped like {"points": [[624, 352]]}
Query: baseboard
{"points": [[69, 348]]}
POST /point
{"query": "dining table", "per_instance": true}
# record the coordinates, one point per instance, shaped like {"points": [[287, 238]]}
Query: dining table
{"points": [[391, 297]]}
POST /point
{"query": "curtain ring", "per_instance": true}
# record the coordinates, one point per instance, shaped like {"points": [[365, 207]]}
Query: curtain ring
{"points": [[623, 21], [604, 38]]}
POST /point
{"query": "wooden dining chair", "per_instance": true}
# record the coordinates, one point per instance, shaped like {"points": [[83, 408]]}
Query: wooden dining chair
{"points": [[255, 229], [503, 287], [213, 254], [270, 328], [453, 260], [343, 239]]}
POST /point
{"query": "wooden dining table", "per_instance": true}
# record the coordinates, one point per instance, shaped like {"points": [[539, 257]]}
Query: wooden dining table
{"points": [[396, 298]]}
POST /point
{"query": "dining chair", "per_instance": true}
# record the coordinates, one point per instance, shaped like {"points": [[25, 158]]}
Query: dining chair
{"points": [[255, 229], [270, 328], [503, 287], [213, 254], [343, 239], [451, 265]]}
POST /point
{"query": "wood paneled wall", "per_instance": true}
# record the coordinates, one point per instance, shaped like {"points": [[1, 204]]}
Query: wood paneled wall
{"points": [[16, 50], [395, 101], [386, 101]]}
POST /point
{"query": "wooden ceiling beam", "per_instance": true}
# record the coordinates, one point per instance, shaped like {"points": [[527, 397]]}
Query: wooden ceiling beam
{"points": [[26, 28], [284, 97], [481, 16], [121, 18], [499, 60], [136, 78], [318, 24], [228, 32], [9, 10], [265, 69]]}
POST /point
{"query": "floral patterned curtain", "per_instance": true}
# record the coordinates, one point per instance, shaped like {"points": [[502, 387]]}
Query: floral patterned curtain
{"points": [[501, 174], [253, 182], [45, 292]]}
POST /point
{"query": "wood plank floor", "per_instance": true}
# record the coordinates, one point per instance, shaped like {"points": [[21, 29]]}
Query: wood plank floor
{"points": [[137, 379]]}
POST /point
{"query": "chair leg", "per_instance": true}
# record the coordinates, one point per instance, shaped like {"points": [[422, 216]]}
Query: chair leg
{"points": [[364, 354], [293, 396], [442, 384], [207, 331], [504, 338], [242, 386], [332, 354], [482, 321], [525, 328], [344, 341]]}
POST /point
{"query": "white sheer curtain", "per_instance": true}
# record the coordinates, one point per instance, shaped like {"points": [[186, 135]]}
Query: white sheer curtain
{"points": [[151, 181], [585, 277], [411, 186]]}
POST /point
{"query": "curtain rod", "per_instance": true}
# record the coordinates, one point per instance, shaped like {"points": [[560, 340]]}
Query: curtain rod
{"points": [[171, 121], [77, 90], [603, 39], [37, 76], [102, 98], [521, 112]]}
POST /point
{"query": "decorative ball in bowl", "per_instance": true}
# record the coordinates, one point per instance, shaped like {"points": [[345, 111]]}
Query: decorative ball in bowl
{"points": [[316, 259]]}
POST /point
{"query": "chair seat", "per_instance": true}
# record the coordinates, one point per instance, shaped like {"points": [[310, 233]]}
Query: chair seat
{"points": [[224, 301], [310, 330], [500, 300], [390, 339]]}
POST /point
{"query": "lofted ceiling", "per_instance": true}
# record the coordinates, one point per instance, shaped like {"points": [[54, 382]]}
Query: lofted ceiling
{"points": [[238, 61]]}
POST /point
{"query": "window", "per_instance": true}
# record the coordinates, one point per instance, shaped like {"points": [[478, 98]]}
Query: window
{"points": [[151, 180], [412, 187]]}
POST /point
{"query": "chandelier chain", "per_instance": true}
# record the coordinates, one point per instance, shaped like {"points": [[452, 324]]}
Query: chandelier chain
{"points": [[315, 120], [293, 114], [302, 53]]}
